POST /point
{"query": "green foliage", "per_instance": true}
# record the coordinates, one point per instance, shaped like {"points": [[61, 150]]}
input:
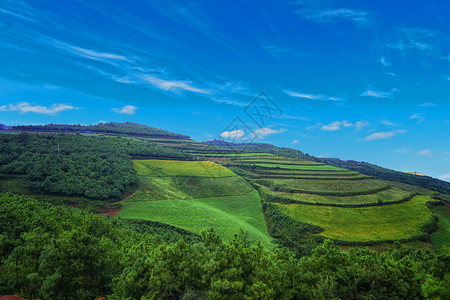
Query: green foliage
{"points": [[441, 238], [93, 167], [51, 252]]}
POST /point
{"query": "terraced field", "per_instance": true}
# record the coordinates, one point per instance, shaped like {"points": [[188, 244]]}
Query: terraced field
{"points": [[377, 198], [347, 205], [377, 223], [195, 198], [161, 168]]}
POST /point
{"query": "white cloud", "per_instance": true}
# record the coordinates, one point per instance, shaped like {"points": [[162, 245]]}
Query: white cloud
{"points": [[263, 132], [332, 15], [445, 177], [312, 96], [336, 125], [325, 155], [230, 102], [83, 52], [401, 150], [384, 61], [172, 84], [379, 94], [25, 107], [427, 104], [388, 123], [361, 124], [127, 110], [424, 152], [383, 135], [295, 142], [233, 134], [417, 117]]}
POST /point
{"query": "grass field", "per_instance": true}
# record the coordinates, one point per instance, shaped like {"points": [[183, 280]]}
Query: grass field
{"points": [[441, 237], [300, 167], [273, 160], [390, 195], [233, 154], [162, 188], [377, 223], [196, 202], [226, 214], [326, 186], [180, 168]]}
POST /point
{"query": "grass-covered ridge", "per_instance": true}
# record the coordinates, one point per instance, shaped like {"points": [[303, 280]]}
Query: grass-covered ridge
{"points": [[377, 223]]}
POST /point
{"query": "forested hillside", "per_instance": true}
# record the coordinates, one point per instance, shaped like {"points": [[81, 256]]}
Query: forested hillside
{"points": [[51, 252], [67, 164], [127, 128]]}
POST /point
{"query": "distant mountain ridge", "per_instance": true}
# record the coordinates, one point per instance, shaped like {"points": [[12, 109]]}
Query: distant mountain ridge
{"points": [[127, 128]]}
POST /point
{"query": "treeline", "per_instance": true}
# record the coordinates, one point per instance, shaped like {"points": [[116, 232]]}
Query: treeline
{"points": [[387, 174], [67, 164], [127, 128], [50, 252]]}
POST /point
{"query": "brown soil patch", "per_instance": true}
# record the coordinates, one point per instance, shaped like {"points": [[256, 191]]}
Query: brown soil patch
{"points": [[111, 210], [12, 297]]}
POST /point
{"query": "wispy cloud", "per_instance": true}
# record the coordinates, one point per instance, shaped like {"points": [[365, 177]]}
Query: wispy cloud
{"points": [[425, 152], [333, 15], [312, 96], [171, 84], [230, 102], [385, 62], [263, 132], [388, 123], [16, 15], [402, 150], [427, 104], [383, 135], [127, 110], [417, 117], [83, 52], [294, 142], [338, 125], [379, 94], [445, 177], [25, 107]]}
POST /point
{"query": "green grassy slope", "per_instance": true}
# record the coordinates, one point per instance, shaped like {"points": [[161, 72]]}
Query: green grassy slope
{"points": [[226, 214], [180, 168], [179, 194], [441, 238], [377, 223]]}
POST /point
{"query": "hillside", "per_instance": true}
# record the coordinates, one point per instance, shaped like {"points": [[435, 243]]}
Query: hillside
{"points": [[272, 211], [127, 128]]}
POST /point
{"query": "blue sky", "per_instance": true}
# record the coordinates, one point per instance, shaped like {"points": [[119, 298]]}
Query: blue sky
{"points": [[362, 80]]}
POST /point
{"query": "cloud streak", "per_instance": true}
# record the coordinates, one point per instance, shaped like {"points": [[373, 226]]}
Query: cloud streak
{"points": [[379, 94], [25, 107], [126, 110], [318, 97], [383, 135], [333, 15]]}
